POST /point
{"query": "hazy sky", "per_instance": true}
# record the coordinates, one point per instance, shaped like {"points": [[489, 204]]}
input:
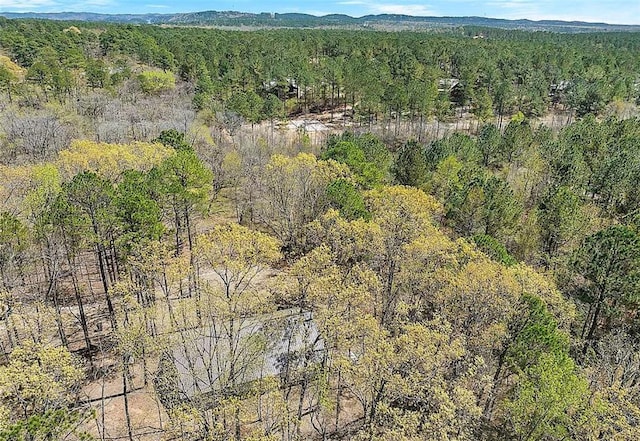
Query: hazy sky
{"points": [[618, 11]]}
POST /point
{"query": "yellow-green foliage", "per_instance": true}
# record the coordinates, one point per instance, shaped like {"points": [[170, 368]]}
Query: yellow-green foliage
{"points": [[73, 30], [26, 187], [155, 82], [295, 192], [16, 72], [236, 248], [14, 182], [237, 255], [45, 184], [39, 378], [109, 160]]}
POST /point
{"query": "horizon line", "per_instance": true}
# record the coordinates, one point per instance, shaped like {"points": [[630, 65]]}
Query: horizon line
{"points": [[316, 16]]}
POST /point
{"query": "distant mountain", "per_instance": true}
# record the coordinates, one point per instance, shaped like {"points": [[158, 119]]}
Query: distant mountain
{"points": [[293, 20], [94, 17]]}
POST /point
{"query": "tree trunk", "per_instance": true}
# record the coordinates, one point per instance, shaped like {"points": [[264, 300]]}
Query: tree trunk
{"points": [[193, 283], [594, 325], [78, 296], [125, 370], [105, 285]]}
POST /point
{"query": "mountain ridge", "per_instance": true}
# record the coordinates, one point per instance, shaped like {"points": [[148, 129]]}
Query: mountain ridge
{"points": [[300, 20]]}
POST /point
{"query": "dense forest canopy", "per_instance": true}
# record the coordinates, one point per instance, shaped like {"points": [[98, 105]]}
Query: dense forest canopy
{"points": [[370, 72], [318, 234]]}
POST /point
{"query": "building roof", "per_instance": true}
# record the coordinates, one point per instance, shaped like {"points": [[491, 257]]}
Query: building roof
{"points": [[447, 84], [263, 346]]}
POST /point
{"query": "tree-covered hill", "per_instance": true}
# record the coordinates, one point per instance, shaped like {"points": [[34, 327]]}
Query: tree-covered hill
{"points": [[298, 20]]}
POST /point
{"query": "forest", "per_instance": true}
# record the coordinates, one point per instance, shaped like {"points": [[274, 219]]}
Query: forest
{"points": [[294, 234]]}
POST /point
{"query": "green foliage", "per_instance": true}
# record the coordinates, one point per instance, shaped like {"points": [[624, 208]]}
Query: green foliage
{"points": [[14, 236], [153, 82], [181, 185], [365, 155], [610, 261], [535, 334], [446, 179], [164, 59], [374, 151], [349, 153], [138, 213], [173, 138], [14, 243], [561, 219], [461, 146], [87, 200], [489, 143], [483, 105], [589, 95], [6, 77], [494, 249], [346, 198], [249, 105], [502, 207], [549, 400], [410, 167], [508, 72], [51, 425], [97, 74], [184, 177], [483, 204], [273, 108], [609, 264], [516, 139], [51, 76]]}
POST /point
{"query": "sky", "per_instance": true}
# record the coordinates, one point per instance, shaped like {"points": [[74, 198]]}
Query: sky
{"points": [[609, 11]]}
